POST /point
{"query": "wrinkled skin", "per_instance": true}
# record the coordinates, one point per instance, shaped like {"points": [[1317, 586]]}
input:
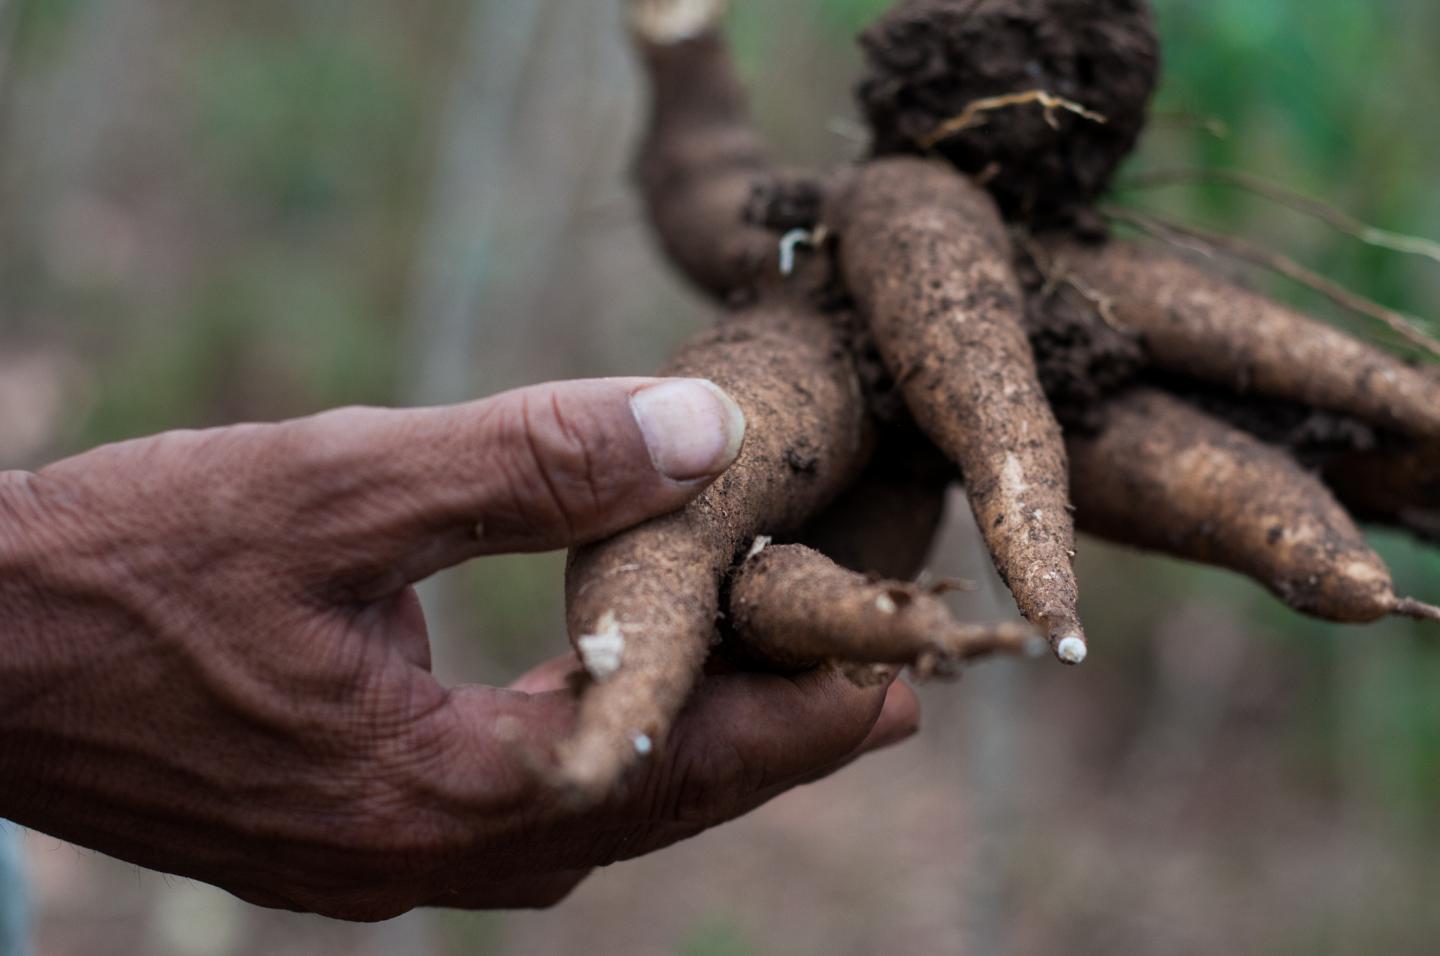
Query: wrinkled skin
{"points": [[215, 665]]}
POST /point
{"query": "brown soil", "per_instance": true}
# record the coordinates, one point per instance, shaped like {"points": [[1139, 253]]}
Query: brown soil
{"points": [[927, 60], [1081, 359], [1394, 485]]}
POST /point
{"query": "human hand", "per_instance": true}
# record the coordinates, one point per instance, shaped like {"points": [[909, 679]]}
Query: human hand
{"points": [[214, 663]]}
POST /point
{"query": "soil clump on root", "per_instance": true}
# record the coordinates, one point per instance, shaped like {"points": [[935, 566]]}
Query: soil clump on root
{"points": [[1039, 99]]}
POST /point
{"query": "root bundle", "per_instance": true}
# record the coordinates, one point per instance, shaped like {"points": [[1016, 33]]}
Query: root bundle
{"points": [[970, 299]]}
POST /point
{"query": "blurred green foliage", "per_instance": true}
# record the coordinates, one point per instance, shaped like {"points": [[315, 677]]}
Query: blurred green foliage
{"points": [[716, 936], [302, 124]]}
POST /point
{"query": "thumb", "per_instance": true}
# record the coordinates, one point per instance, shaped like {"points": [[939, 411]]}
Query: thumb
{"points": [[530, 470]]}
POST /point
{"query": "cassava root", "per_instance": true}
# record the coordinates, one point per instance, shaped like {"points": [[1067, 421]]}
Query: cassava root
{"points": [[793, 608], [1165, 476], [913, 313], [702, 160], [1191, 323], [927, 258]]}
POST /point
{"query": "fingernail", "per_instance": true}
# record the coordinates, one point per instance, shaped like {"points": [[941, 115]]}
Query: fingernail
{"points": [[692, 428]]}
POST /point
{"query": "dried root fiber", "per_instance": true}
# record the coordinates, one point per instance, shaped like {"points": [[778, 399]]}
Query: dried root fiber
{"points": [[1041, 98]]}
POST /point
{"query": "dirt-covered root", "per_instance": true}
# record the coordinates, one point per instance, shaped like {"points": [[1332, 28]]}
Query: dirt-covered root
{"points": [[926, 256], [1193, 323], [1393, 486], [642, 606], [792, 608], [702, 160], [1165, 476], [887, 522], [1041, 98]]}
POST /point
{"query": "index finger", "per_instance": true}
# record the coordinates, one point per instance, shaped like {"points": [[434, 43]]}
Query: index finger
{"points": [[743, 739]]}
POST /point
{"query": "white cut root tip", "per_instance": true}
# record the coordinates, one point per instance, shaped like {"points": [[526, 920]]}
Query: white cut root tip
{"points": [[675, 21], [603, 652], [789, 245], [1072, 649]]}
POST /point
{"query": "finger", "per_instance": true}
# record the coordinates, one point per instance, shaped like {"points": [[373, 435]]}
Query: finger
{"points": [[744, 741], [899, 721], [398, 495], [742, 733], [558, 673], [743, 738], [749, 732]]}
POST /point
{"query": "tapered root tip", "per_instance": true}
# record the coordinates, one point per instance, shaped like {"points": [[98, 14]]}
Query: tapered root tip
{"points": [[589, 768], [1409, 607], [575, 784], [1072, 649], [970, 642], [674, 21]]}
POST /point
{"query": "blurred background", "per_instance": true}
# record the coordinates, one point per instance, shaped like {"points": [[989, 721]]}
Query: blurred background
{"points": [[224, 210]]}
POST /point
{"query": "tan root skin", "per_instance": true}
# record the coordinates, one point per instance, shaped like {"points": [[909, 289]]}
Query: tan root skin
{"points": [[927, 258], [658, 585], [1163, 475], [792, 607], [700, 163], [1196, 324], [888, 521]]}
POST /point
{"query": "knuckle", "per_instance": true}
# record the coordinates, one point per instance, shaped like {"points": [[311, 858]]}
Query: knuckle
{"points": [[121, 517], [554, 476], [582, 451], [322, 447]]}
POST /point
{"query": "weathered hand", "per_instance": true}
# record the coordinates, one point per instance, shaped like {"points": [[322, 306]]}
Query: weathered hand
{"points": [[213, 663]]}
